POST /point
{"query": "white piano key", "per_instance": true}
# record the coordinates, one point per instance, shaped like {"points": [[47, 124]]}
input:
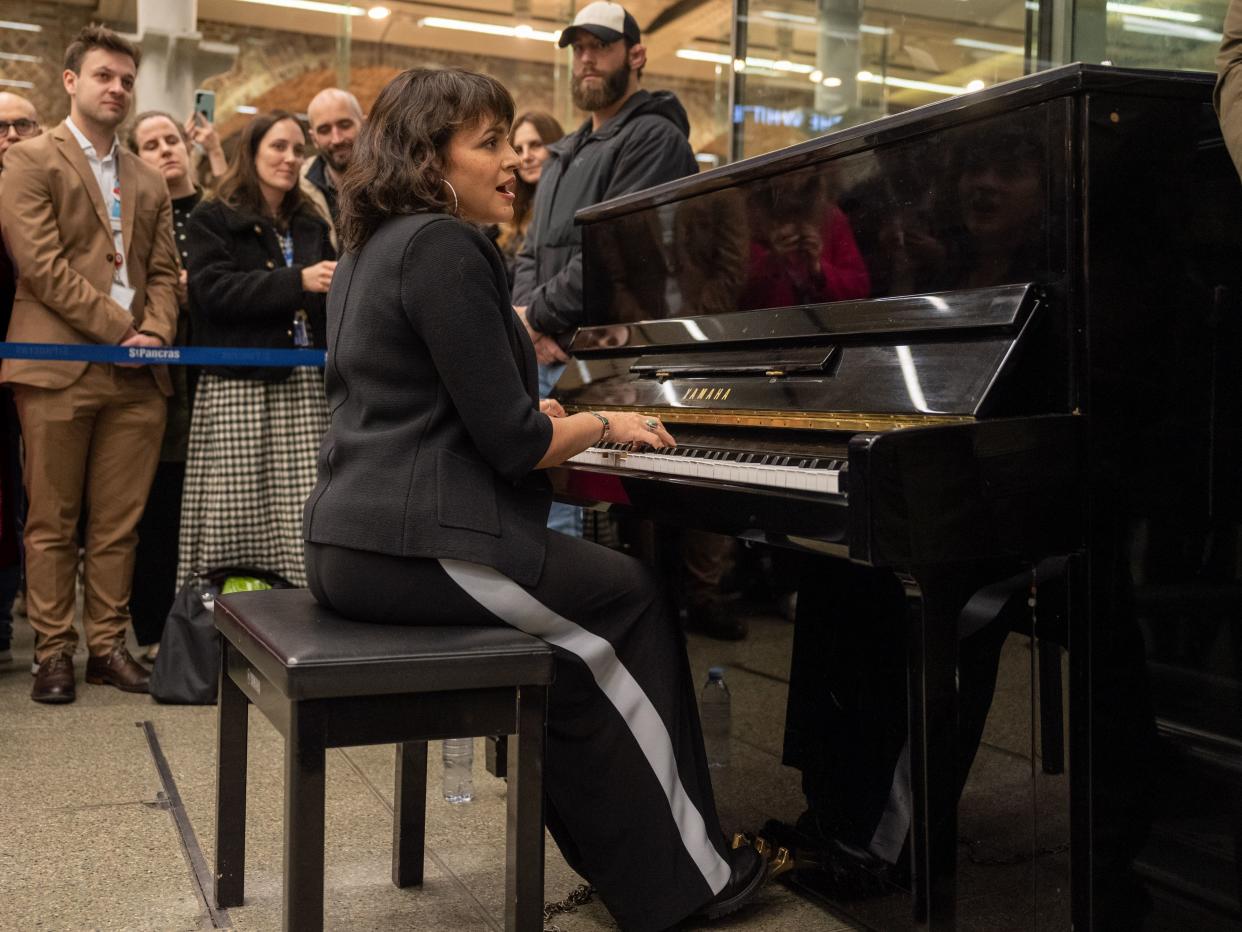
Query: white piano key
{"points": [[796, 478]]}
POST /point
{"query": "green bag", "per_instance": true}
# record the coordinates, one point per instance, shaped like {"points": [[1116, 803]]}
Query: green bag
{"points": [[243, 584]]}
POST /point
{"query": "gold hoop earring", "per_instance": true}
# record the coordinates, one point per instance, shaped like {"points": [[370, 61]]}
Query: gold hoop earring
{"points": [[454, 191]]}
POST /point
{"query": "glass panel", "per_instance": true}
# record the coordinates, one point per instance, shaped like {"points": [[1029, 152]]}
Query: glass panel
{"points": [[1180, 35], [815, 65]]}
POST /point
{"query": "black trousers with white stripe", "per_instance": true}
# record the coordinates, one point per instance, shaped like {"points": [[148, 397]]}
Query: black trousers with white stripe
{"points": [[629, 798]]}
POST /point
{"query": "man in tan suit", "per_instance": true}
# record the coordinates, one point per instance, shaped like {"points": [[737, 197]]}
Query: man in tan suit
{"points": [[89, 227]]}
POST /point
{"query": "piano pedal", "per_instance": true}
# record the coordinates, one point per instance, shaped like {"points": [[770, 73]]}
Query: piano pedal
{"points": [[780, 859]]}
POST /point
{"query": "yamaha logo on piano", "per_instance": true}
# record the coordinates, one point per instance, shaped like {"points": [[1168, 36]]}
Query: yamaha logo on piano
{"points": [[706, 394]]}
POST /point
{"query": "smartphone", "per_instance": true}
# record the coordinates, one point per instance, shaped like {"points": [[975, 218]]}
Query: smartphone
{"points": [[205, 103]]}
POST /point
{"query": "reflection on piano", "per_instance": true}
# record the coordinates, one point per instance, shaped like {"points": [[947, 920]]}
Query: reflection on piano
{"points": [[1034, 354]]}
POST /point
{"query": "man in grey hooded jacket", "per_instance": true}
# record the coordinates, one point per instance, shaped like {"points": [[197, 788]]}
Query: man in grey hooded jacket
{"points": [[634, 139]]}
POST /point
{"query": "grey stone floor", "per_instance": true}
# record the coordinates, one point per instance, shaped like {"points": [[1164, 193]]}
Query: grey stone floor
{"points": [[87, 840]]}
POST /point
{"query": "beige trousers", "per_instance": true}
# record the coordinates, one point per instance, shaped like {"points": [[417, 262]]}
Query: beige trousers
{"points": [[96, 442]]}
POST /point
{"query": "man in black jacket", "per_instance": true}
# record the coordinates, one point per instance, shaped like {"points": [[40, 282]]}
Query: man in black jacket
{"points": [[634, 139]]}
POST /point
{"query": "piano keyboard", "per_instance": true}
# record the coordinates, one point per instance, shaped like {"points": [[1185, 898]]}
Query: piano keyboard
{"points": [[799, 472]]}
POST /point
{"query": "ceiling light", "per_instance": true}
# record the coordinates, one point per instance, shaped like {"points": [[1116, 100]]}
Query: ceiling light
{"points": [[379, 12], [23, 27], [5, 82], [311, 6], [718, 58], [490, 29], [1179, 31], [803, 21], [832, 82], [1154, 12], [990, 46], [246, 108], [947, 89], [787, 17], [816, 76], [18, 56], [696, 55], [975, 85], [782, 65]]}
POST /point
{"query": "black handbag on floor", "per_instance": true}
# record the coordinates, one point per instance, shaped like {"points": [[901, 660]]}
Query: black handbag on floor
{"points": [[187, 667]]}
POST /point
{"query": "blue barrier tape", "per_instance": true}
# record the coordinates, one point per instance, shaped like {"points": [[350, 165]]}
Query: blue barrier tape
{"points": [[163, 355]]}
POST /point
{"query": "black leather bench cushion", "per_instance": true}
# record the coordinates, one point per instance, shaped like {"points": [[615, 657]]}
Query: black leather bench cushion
{"points": [[310, 652]]}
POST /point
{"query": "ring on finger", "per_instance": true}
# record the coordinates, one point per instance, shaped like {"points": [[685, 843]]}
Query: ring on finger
{"points": [[652, 423]]}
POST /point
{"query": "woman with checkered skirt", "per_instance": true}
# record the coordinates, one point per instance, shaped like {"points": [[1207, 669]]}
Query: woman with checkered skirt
{"points": [[260, 262]]}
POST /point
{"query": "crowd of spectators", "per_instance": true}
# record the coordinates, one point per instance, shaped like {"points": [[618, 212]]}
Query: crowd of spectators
{"points": [[128, 482]]}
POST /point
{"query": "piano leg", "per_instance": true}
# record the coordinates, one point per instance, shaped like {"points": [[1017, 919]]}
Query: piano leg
{"points": [[934, 606]]}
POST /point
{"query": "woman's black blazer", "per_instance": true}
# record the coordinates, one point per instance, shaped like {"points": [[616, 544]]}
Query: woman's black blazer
{"points": [[435, 424], [241, 291]]}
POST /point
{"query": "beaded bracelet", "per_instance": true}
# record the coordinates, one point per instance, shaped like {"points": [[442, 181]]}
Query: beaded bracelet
{"points": [[603, 420]]}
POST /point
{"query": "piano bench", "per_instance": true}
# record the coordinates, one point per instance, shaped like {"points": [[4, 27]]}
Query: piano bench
{"points": [[324, 682]]}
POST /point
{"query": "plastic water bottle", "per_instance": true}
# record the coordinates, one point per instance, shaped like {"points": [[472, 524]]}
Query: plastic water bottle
{"points": [[458, 763], [715, 714]]}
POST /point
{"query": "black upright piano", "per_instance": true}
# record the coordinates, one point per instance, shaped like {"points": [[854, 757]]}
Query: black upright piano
{"points": [[993, 334]]}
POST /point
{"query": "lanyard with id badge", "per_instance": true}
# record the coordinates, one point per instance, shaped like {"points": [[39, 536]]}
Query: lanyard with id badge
{"points": [[301, 323], [121, 293]]}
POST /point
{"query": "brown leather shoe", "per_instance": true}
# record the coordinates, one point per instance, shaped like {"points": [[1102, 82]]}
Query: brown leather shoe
{"points": [[117, 668], [54, 680]]}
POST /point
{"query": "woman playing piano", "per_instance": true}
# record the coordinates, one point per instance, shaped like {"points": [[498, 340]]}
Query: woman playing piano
{"points": [[431, 504]]}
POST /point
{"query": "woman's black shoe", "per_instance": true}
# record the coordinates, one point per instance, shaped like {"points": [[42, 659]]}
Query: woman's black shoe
{"points": [[749, 871]]}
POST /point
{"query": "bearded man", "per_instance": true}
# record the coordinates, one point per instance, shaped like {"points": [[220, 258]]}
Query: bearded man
{"points": [[634, 139], [336, 119]]}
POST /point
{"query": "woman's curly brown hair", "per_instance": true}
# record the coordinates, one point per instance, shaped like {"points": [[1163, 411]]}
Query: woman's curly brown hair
{"points": [[402, 153]]}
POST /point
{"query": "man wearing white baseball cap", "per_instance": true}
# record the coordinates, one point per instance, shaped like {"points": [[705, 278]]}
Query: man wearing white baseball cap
{"points": [[634, 139], [606, 21]]}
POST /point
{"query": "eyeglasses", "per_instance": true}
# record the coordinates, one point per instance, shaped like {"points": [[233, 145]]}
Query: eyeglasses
{"points": [[23, 127]]}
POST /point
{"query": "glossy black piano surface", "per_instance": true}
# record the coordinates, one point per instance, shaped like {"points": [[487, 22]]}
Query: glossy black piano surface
{"points": [[1013, 321]]}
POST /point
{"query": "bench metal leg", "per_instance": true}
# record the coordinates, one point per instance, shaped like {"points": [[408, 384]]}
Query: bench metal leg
{"points": [[524, 838], [304, 823], [232, 732], [409, 816]]}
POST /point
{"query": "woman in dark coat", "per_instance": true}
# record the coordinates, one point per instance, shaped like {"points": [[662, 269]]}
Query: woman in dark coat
{"points": [[260, 262], [431, 503]]}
